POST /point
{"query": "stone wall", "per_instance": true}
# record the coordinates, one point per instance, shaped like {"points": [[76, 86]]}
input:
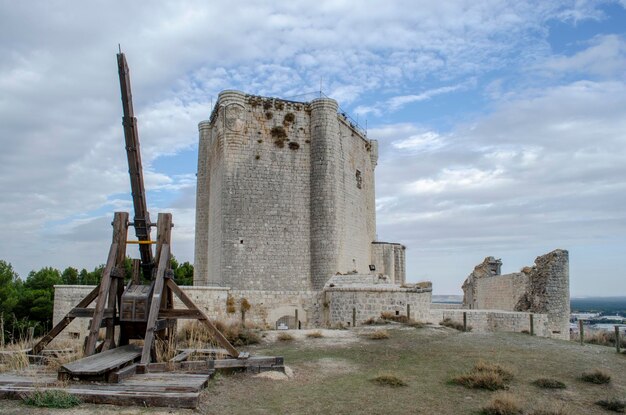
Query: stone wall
{"points": [[483, 321], [369, 302], [330, 307], [542, 288]]}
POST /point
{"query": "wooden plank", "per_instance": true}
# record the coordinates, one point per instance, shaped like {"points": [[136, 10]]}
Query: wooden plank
{"points": [[181, 356], [194, 365], [64, 322], [155, 303], [101, 363], [180, 314], [96, 321], [205, 319], [123, 373], [124, 398], [89, 312]]}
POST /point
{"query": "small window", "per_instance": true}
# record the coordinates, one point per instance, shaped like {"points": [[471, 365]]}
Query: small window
{"points": [[359, 179]]}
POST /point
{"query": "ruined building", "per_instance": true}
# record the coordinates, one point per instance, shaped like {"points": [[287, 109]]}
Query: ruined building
{"points": [[540, 289]]}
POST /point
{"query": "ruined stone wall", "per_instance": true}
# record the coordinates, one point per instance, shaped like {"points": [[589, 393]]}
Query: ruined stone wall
{"points": [[484, 321], [501, 292], [542, 288]]}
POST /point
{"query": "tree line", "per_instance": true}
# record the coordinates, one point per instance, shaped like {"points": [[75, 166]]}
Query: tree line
{"points": [[30, 302]]}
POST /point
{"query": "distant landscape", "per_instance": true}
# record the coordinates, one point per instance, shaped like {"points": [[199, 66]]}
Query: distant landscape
{"points": [[603, 305]]}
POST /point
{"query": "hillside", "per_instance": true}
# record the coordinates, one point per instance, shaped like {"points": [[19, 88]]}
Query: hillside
{"points": [[332, 374]]}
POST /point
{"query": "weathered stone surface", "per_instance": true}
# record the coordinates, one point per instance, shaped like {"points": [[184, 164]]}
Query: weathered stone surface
{"points": [[542, 288], [285, 196]]}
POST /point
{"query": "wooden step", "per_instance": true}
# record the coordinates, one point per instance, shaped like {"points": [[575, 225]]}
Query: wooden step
{"points": [[101, 363]]}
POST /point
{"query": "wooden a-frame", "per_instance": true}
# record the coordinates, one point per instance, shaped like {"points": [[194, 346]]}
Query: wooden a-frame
{"points": [[162, 316]]}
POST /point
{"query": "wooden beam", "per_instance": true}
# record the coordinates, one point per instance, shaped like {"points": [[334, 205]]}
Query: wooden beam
{"points": [[89, 312], [205, 319], [181, 314], [120, 231], [155, 303], [90, 346], [64, 322]]}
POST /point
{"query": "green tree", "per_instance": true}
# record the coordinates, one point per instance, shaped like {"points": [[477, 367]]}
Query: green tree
{"points": [[70, 276], [8, 288], [183, 273], [36, 300]]}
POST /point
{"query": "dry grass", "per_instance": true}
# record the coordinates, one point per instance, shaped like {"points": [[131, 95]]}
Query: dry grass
{"points": [[388, 379], [612, 404], [14, 360], [603, 338], [502, 404], [484, 375], [195, 335], [551, 409], [547, 383], [596, 376], [378, 335], [165, 349], [315, 334], [284, 337], [448, 322]]}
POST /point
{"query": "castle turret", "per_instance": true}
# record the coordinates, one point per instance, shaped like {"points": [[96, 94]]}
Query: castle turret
{"points": [[201, 247], [325, 171]]}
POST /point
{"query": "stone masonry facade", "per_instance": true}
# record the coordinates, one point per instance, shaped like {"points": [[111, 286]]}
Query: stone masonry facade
{"points": [[542, 289], [285, 197]]}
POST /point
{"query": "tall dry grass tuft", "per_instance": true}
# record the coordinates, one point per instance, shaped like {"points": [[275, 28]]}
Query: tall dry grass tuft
{"points": [[378, 335], [195, 335], [596, 376], [503, 403], [485, 375]]}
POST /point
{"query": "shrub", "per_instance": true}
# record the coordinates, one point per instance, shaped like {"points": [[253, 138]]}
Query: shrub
{"points": [[244, 305], [597, 376], [485, 375], [388, 379], [315, 334], [285, 337], [378, 335], [502, 404], [197, 335], [230, 304], [547, 383], [612, 404], [448, 322], [603, 338], [51, 399]]}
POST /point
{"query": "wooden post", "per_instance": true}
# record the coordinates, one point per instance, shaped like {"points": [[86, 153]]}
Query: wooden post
{"points": [[408, 311], [532, 324], [617, 345], [2, 329], [243, 317], [353, 316], [136, 271], [297, 319], [31, 335], [464, 321], [581, 331]]}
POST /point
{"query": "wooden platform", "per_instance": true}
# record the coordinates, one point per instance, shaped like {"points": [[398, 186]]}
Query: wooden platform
{"points": [[171, 384], [98, 366], [176, 390]]}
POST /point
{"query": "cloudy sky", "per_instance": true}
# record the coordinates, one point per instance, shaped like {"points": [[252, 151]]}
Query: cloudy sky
{"points": [[502, 124]]}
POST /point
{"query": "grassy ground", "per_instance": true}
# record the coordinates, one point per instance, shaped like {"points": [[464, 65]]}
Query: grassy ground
{"points": [[332, 374]]}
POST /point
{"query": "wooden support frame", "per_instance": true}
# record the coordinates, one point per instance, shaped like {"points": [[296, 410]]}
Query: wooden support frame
{"points": [[162, 315]]}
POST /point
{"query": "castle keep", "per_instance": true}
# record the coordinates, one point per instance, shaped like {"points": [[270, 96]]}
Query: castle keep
{"points": [[285, 197]]}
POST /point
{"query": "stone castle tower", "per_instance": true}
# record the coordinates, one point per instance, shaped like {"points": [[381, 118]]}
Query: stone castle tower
{"points": [[285, 197]]}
